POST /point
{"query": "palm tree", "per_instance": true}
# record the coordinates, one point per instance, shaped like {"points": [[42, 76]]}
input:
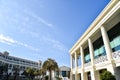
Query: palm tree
{"points": [[50, 65], [36, 73], [30, 72], [42, 72], [25, 73]]}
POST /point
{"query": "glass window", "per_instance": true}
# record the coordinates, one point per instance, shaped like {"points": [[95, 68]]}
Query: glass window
{"points": [[114, 37], [96, 52], [64, 73], [87, 58]]}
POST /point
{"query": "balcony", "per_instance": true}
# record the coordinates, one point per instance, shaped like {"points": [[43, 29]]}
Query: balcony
{"points": [[116, 55], [87, 64], [100, 59]]}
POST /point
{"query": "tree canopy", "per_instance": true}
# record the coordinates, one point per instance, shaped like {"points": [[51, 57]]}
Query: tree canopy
{"points": [[106, 75], [50, 65]]}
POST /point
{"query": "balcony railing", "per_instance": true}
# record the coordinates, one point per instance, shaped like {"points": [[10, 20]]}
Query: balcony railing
{"points": [[17, 62], [87, 64], [116, 55], [100, 59]]}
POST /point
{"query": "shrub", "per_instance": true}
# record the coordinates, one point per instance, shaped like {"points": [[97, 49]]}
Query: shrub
{"points": [[106, 75]]}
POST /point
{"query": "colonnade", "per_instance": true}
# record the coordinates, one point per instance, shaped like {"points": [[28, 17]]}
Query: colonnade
{"points": [[94, 74]]}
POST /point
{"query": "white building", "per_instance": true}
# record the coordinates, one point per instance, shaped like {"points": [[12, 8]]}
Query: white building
{"points": [[64, 72], [15, 61], [99, 47]]}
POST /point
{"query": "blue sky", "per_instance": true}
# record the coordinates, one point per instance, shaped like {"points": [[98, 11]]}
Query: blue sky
{"points": [[41, 29]]}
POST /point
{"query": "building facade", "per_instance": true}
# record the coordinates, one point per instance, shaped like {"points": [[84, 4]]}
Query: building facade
{"points": [[64, 72], [99, 47], [17, 62]]}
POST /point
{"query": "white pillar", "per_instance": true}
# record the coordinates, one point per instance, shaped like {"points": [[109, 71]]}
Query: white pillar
{"points": [[92, 75], [95, 75], [76, 64], [108, 49], [91, 51], [71, 61], [82, 57], [93, 72], [83, 77], [76, 61], [106, 43]]}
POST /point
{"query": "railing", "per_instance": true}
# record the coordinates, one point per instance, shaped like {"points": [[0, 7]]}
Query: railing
{"points": [[116, 55], [17, 62], [87, 64], [100, 59]]}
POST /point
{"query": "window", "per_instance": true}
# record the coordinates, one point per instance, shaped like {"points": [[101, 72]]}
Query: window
{"points": [[114, 37]]}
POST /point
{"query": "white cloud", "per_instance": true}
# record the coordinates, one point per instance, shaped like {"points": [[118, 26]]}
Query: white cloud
{"points": [[8, 40], [38, 18], [55, 43], [29, 32]]}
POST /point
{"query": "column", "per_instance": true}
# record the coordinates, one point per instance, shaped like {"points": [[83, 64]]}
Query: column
{"points": [[76, 61], [106, 43], [84, 76], [91, 51], [82, 63], [76, 64], [95, 75], [71, 62], [82, 57], [108, 49]]}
